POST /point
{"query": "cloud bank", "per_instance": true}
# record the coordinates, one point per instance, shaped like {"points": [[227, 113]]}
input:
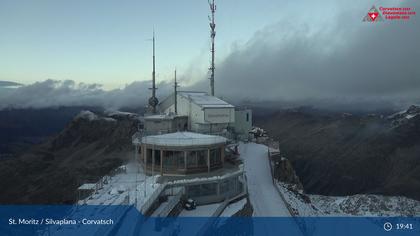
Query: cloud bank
{"points": [[55, 93], [340, 61], [345, 60]]}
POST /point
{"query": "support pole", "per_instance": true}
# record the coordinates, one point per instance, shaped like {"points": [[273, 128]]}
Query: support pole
{"points": [[212, 35], [175, 95], [208, 160], [153, 160], [161, 162], [145, 171], [145, 159], [136, 151], [222, 153], [153, 101], [185, 160]]}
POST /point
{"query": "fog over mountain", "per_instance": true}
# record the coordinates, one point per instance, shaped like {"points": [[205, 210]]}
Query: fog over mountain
{"points": [[8, 84], [55, 93], [341, 61]]}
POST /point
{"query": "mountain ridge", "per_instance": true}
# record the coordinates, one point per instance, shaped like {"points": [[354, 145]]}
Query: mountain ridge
{"points": [[84, 151], [346, 154]]}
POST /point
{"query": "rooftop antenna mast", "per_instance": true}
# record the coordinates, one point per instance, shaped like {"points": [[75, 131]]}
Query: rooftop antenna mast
{"points": [[175, 94], [212, 35], [153, 101]]}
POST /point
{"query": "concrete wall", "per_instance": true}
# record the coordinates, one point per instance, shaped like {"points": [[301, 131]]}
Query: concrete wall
{"points": [[243, 125], [156, 126]]}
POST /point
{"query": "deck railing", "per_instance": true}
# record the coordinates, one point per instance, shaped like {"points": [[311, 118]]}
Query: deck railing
{"points": [[137, 137]]}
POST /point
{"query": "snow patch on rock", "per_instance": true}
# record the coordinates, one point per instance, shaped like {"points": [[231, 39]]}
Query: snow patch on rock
{"points": [[356, 205], [88, 115]]}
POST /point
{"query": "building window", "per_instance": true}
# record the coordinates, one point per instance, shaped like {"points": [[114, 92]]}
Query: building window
{"points": [[215, 156], [191, 159], [247, 117], [197, 159], [202, 158]]}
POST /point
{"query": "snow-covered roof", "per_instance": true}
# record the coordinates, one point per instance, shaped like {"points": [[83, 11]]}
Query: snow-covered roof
{"points": [[204, 100], [183, 139]]}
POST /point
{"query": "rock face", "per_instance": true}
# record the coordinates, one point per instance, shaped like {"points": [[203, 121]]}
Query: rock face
{"points": [[404, 117], [20, 129], [366, 205], [89, 147], [284, 172], [354, 154]]}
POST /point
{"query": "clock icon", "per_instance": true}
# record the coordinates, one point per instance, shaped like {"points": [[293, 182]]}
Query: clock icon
{"points": [[387, 226]]}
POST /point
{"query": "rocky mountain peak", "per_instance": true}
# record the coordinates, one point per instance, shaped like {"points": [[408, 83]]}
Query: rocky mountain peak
{"points": [[413, 110]]}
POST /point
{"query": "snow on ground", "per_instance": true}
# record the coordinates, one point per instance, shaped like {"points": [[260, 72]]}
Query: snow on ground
{"points": [[264, 197], [356, 205], [410, 116], [297, 202], [119, 189], [120, 114], [125, 188], [231, 209], [203, 210], [109, 119], [366, 205], [87, 115]]}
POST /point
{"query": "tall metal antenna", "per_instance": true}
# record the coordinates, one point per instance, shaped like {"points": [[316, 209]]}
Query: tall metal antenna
{"points": [[153, 101], [212, 35], [175, 95]]}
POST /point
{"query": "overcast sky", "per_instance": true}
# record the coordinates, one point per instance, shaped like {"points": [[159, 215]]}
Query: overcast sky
{"points": [[303, 51]]}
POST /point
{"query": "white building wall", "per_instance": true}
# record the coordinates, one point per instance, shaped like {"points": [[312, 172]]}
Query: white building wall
{"points": [[243, 121], [199, 118], [186, 107], [219, 115]]}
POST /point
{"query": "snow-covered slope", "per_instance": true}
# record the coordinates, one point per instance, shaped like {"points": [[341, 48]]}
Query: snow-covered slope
{"points": [[404, 116], [366, 205], [265, 199], [356, 205]]}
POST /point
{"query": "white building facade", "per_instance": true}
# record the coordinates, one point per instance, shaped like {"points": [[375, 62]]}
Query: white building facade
{"points": [[207, 114]]}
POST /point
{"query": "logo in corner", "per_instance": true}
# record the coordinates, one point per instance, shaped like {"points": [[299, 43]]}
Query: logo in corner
{"points": [[373, 15]]}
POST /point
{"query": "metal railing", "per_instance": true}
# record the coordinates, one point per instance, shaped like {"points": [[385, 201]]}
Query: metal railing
{"points": [[171, 204], [183, 140], [152, 198], [137, 137]]}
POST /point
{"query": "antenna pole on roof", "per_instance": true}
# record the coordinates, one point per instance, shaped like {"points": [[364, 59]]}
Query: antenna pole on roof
{"points": [[175, 95], [153, 101], [212, 35]]}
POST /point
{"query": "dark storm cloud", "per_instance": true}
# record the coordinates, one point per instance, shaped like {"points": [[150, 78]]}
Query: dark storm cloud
{"points": [[343, 60]]}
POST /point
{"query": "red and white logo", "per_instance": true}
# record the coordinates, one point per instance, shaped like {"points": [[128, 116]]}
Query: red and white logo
{"points": [[373, 15]]}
